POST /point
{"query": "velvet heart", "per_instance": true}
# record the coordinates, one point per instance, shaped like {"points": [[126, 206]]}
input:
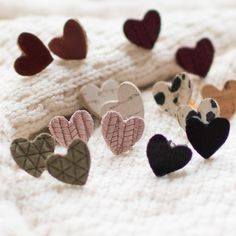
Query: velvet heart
{"points": [[163, 158], [73, 44], [206, 139], [143, 33], [120, 135], [196, 60], [80, 126], [35, 56]]}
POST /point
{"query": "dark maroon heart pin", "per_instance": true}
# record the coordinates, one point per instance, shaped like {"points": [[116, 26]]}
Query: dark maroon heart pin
{"points": [[196, 60], [206, 139], [143, 33], [165, 158], [35, 56], [73, 44]]}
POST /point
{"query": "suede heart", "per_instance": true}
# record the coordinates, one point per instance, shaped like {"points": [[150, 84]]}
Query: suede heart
{"points": [[121, 135], [206, 139], [35, 56], [80, 126], [143, 33], [196, 60], [73, 168], [225, 97], [73, 44], [31, 155], [207, 111], [163, 158]]}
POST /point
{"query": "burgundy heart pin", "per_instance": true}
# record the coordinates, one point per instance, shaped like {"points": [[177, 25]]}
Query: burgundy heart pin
{"points": [[35, 56], [196, 60], [143, 33]]}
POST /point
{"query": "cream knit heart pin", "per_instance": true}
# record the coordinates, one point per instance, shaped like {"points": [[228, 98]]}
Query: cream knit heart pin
{"points": [[129, 102], [31, 155], [93, 97], [207, 111], [170, 96], [80, 126], [72, 168], [120, 135]]}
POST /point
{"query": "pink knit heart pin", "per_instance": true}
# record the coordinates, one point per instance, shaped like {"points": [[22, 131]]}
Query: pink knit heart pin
{"points": [[120, 135], [80, 126]]}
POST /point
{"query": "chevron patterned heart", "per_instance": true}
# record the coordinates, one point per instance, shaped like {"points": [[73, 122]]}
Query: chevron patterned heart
{"points": [[31, 155], [73, 168], [80, 126], [121, 135]]}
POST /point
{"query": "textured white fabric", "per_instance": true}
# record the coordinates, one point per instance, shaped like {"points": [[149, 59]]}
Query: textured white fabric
{"points": [[122, 196]]}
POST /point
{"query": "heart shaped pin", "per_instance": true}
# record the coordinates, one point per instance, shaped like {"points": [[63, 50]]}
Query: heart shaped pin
{"points": [[170, 96], [206, 139], [31, 155], [196, 60], [73, 44], [121, 135], [129, 102], [207, 111], [143, 33], [35, 56], [80, 126], [93, 97], [73, 168], [164, 158], [225, 97]]}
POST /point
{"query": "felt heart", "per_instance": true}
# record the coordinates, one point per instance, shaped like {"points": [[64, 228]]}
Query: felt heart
{"points": [[73, 44], [93, 97], [121, 135], [143, 33], [73, 168], [206, 139], [196, 60], [163, 158], [80, 126], [170, 97], [226, 97], [35, 56], [207, 111], [129, 102], [31, 155]]}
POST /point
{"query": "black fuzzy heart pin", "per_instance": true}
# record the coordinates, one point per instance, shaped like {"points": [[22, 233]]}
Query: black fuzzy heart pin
{"points": [[206, 139], [163, 158]]}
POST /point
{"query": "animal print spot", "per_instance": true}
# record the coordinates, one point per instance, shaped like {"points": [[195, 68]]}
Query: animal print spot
{"points": [[175, 100], [189, 84], [210, 116], [175, 85], [192, 114], [160, 98], [213, 104]]}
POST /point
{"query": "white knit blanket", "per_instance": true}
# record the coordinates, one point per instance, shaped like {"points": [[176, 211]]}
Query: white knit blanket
{"points": [[122, 196]]}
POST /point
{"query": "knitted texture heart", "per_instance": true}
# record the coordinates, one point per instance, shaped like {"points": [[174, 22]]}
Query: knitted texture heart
{"points": [[163, 158], [143, 33], [206, 139], [73, 168], [73, 44], [170, 96], [196, 60], [225, 97], [31, 155], [207, 111], [121, 135], [35, 56], [129, 102], [80, 126]]}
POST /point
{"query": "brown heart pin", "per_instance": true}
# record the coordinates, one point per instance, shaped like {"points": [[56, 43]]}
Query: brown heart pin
{"points": [[31, 155], [73, 168], [73, 44], [226, 97], [35, 56]]}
